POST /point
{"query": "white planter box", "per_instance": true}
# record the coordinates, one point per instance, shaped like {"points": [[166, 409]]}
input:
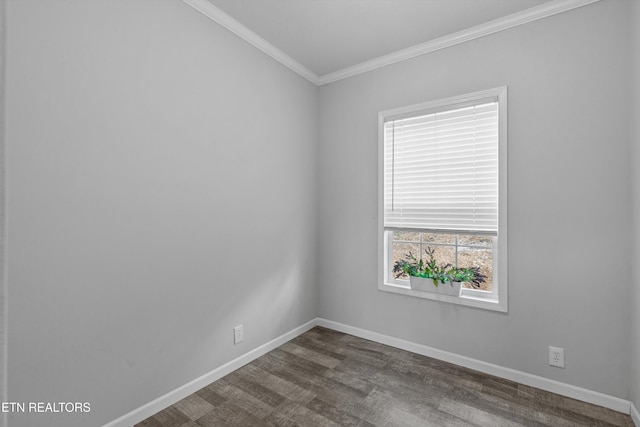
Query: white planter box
{"points": [[427, 285]]}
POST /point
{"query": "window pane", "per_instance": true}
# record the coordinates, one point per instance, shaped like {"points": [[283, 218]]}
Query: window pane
{"points": [[474, 240], [411, 236], [443, 254], [472, 251], [439, 238], [400, 250], [481, 258]]}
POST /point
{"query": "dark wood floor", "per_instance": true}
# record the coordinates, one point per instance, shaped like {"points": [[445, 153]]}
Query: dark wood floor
{"points": [[326, 378]]}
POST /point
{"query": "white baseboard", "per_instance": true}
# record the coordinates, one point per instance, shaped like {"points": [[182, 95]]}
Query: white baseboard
{"points": [[180, 393], [553, 386], [635, 415]]}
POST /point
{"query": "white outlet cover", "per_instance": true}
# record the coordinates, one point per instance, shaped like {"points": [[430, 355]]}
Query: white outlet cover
{"points": [[238, 334], [556, 357]]}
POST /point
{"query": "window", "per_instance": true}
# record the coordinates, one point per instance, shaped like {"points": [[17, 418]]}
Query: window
{"points": [[442, 187]]}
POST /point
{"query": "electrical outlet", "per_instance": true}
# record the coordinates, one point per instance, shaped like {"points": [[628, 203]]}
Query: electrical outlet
{"points": [[556, 357], [238, 334]]}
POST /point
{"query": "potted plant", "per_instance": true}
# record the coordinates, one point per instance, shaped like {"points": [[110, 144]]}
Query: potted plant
{"points": [[431, 277]]}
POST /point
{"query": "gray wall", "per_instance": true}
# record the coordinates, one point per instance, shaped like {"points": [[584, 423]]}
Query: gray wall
{"points": [[569, 208], [635, 164], [3, 283], [161, 190]]}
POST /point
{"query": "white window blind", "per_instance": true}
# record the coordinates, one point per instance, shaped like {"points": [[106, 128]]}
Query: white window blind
{"points": [[441, 169]]}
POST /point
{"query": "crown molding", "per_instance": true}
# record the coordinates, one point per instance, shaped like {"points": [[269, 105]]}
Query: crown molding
{"points": [[545, 10], [528, 15], [217, 15]]}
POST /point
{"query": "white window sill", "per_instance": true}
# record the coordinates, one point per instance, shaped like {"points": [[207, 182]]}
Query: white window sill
{"points": [[469, 299]]}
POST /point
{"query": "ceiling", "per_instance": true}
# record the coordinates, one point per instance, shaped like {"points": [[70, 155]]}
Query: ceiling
{"points": [[326, 40], [328, 35]]}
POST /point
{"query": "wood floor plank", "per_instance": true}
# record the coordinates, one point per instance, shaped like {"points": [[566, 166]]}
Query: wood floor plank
{"points": [[604, 415], [208, 394], [285, 415], [348, 379], [327, 378], [193, 406], [339, 351], [319, 346], [241, 399], [277, 384], [290, 372], [291, 359], [254, 388], [169, 417], [303, 416], [517, 411], [311, 355], [410, 410], [332, 413], [230, 415], [475, 415]]}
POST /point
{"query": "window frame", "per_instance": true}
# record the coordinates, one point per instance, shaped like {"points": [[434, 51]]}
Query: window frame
{"points": [[497, 299]]}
